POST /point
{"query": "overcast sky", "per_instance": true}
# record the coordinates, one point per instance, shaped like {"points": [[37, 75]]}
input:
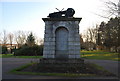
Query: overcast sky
{"points": [[26, 15]]}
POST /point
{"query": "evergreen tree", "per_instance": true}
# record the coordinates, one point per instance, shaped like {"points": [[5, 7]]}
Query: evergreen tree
{"points": [[100, 35], [30, 40], [109, 33]]}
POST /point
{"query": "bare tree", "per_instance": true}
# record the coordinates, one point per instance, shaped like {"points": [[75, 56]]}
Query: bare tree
{"points": [[119, 8], [0, 38], [90, 35], [4, 38], [113, 8], [20, 37], [39, 41], [10, 39], [90, 38]]}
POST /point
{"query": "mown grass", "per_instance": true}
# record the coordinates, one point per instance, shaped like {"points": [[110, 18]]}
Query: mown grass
{"points": [[11, 55], [100, 55], [6, 55], [53, 74]]}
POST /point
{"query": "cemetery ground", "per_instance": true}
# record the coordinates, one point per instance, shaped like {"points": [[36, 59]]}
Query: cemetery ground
{"points": [[14, 66]]}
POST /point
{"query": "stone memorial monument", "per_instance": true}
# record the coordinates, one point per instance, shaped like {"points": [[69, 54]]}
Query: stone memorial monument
{"points": [[61, 38]]}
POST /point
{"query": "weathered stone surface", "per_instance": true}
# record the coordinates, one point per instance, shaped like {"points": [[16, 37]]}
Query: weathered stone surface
{"points": [[49, 39], [61, 39], [77, 61]]}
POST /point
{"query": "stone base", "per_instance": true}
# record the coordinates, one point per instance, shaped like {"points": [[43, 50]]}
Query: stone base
{"points": [[61, 61], [62, 65]]}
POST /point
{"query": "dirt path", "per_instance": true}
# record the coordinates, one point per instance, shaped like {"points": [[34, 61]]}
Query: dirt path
{"points": [[11, 63]]}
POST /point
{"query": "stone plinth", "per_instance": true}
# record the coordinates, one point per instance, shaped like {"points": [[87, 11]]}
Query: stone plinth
{"points": [[61, 38], [60, 61]]}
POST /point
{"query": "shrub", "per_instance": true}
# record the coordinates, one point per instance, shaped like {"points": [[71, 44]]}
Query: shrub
{"points": [[25, 50], [4, 50]]}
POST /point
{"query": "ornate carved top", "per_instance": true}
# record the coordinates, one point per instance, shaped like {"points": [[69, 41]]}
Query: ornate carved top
{"points": [[62, 14]]}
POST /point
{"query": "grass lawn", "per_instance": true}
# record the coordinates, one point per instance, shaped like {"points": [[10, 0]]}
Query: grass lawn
{"points": [[11, 55], [100, 55]]}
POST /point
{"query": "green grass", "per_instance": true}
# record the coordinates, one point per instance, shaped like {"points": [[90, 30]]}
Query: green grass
{"points": [[100, 55], [100, 68], [22, 67], [54, 74], [11, 55], [6, 55]]}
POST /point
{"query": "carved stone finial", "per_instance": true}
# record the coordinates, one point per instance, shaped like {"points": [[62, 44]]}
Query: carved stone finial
{"points": [[67, 13]]}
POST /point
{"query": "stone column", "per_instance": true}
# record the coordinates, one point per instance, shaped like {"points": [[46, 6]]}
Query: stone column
{"points": [[69, 27]]}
